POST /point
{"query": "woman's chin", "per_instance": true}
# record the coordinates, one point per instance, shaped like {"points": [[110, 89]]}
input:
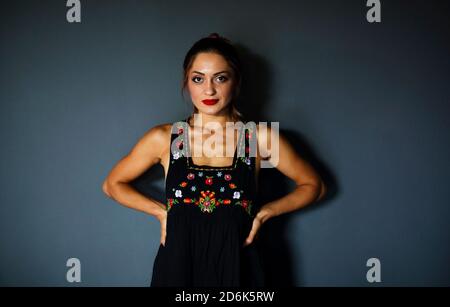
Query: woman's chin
{"points": [[212, 110]]}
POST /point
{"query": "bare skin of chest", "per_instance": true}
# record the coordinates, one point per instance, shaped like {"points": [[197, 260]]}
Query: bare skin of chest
{"points": [[204, 160]]}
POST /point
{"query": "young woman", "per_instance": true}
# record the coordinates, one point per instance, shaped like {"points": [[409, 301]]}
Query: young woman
{"points": [[210, 217]]}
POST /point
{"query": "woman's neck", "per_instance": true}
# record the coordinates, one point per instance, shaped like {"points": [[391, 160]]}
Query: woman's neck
{"points": [[201, 120]]}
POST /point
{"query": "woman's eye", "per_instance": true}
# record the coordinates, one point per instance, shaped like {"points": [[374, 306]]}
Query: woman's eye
{"points": [[196, 78], [223, 78]]}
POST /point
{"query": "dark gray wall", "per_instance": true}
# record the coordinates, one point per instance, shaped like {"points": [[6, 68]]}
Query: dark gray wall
{"points": [[367, 104]]}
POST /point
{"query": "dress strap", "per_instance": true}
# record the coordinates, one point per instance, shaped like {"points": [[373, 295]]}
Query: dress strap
{"points": [[178, 148], [250, 141]]}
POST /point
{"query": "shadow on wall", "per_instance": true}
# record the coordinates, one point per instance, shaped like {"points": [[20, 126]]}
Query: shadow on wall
{"points": [[146, 183], [280, 267], [277, 263]]}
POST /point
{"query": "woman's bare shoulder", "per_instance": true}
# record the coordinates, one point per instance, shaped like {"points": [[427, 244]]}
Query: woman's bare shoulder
{"points": [[156, 138], [158, 134]]}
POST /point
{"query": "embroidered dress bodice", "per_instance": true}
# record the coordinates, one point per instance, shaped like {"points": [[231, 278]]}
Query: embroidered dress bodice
{"points": [[210, 210]]}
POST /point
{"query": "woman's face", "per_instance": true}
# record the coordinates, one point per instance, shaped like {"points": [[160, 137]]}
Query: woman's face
{"points": [[210, 78]]}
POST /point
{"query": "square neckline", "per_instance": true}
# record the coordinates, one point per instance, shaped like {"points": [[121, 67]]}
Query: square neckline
{"points": [[192, 165]]}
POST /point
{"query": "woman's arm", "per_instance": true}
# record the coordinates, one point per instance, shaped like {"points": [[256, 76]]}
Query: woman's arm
{"points": [[146, 153], [310, 187]]}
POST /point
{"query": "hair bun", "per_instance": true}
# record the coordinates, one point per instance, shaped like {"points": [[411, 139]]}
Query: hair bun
{"points": [[214, 35], [218, 37]]}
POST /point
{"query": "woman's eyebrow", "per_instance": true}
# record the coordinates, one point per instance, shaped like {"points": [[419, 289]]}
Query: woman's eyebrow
{"points": [[223, 71]]}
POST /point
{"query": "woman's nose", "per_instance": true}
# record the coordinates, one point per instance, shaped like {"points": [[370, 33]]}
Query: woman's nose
{"points": [[210, 90]]}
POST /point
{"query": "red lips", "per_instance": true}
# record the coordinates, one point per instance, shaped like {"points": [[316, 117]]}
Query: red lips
{"points": [[210, 102]]}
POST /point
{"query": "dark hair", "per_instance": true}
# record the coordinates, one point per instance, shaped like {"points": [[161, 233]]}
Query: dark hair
{"points": [[222, 46]]}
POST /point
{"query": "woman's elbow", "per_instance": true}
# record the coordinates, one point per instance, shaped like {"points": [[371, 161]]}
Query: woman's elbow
{"points": [[105, 188]]}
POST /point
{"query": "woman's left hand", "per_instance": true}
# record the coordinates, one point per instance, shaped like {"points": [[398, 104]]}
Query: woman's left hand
{"points": [[263, 215]]}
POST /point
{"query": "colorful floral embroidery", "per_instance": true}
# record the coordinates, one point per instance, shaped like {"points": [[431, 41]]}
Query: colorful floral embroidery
{"points": [[189, 200], [224, 201], [248, 135], [176, 155], [209, 180], [202, 193], [246, 160], [207, 201], [170, 203], [246, 204]]}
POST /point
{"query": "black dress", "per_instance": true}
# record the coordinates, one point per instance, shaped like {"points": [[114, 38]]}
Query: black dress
{"points": [[210, 214]]}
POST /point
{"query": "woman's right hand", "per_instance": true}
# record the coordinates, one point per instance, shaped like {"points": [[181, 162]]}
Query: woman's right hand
{"points": [[163, 220]]}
